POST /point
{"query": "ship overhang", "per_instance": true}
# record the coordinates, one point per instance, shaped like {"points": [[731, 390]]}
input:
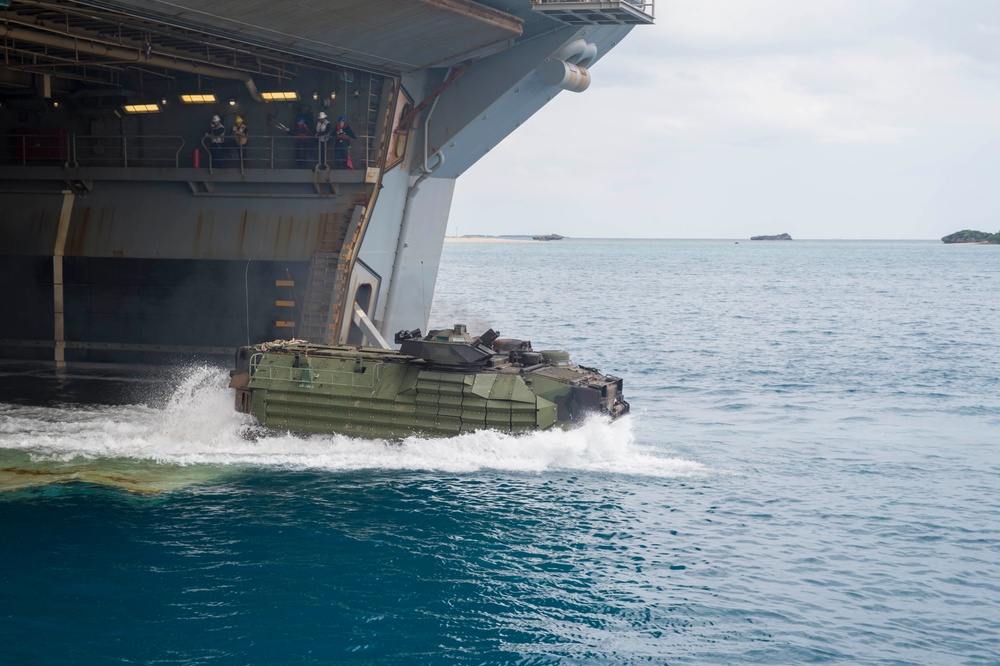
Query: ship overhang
{"points": [[386, 36], [169, 192]]}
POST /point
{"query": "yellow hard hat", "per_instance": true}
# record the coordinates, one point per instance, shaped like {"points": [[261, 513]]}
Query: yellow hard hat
{"points": [[239, 119]]}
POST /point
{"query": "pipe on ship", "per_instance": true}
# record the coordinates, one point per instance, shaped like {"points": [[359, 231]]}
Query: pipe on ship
{"points": [[126, 55]]}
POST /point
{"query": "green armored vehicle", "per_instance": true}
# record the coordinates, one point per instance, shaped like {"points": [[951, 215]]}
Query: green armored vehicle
{"points": [[441, 384]]}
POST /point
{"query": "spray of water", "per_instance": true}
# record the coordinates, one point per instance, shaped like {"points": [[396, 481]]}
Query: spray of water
{"points": [[197, 436]]}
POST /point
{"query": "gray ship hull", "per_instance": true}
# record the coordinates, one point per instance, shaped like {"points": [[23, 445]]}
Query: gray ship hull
{"points": [[130, 236]]}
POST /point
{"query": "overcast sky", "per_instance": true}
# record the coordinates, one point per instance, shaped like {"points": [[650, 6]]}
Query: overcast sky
{"points": [[867, 119]]}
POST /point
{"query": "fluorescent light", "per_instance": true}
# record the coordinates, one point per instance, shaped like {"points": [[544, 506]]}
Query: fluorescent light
{"points": [[141, 108], [280, 96], [199, 99]]}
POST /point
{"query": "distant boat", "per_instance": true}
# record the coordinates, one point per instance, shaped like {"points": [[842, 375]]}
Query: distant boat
{"points": [[777, 237], [547, 237]]}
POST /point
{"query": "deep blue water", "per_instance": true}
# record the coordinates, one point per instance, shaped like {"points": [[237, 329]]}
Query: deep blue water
{"points": [[811, 474]]}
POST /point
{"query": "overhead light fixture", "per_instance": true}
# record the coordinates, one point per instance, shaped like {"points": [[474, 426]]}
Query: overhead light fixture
{"points": [[141, 108], [199, 98], [55, 105], [163, 102], [315, 95], [232, 101], [280, 96], [333, 94]]}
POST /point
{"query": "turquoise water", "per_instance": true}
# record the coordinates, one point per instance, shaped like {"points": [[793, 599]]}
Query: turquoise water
{"points": [[809, 475]]}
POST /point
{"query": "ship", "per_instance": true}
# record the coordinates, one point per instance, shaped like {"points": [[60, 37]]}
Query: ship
{"points": [[136, 233], [547, 237], [442, 384]]}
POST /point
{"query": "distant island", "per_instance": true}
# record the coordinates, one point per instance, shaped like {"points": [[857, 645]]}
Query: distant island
{"points": [[487, 239], [778, 237], [970, 236]]}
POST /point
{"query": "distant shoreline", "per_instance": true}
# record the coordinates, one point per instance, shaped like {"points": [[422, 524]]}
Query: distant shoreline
{"points": [[499, 239], [485, 239]]}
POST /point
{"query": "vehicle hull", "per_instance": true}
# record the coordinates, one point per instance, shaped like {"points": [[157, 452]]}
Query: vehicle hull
{"points": [[384, 394]]}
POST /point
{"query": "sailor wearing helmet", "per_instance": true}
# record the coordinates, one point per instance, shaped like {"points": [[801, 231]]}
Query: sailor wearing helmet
{"points": [[216, 138], [239, 133], [342, 135], [300, 132], [323, 129]]}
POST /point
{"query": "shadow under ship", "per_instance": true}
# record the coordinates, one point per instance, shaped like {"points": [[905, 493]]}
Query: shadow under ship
{"points": [[129, 237]]}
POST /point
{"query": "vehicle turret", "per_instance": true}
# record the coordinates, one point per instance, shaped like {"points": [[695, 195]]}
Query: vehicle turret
{"points": [[449, 348]]}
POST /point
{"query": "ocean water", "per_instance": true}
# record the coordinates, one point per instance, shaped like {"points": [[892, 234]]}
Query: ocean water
{"points": [[810, 474]]}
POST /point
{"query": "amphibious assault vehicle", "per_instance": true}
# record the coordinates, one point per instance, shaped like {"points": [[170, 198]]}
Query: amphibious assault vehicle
{"points": [[440, 384]]}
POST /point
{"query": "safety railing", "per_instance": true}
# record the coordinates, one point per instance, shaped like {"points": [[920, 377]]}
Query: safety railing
{"points": [[277, 152], [36, 147], [595, 11], [307, 377], [646, 6], [56, 148], [145, 150]]}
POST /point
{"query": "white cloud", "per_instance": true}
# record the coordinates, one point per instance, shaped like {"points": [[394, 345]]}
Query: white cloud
{"points": [[877, 93], [854, 118], [772, 23]]}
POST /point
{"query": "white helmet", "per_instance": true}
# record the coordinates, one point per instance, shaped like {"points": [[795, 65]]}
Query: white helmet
{"points": [[322, 115], [216, 119]]}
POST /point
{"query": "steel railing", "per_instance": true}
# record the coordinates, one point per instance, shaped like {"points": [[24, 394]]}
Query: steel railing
{"points": [[145, 150], [270, 152], [307, 377], [647, 7], [33, 148], [170, 151]]}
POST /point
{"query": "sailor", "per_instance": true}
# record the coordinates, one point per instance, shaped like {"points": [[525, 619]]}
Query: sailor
{"points": [[323, 129], [217, 137], [240, 135], [342, 135], [300, 132]]}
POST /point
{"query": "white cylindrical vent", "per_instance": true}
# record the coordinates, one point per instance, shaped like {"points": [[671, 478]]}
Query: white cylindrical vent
{"points": [[578, 52], [564, 75], [572, 52], [588, 57]]}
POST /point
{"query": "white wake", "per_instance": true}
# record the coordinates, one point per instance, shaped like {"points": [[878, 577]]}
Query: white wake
{"points": [[197, 431]]}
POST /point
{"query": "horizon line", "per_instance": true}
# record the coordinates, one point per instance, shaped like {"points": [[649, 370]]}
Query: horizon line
{"points": [[733, 238]]}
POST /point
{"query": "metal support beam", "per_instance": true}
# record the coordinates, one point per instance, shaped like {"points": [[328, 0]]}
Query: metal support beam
{"points": [[58, 300], [404, 124], [367, 326]]}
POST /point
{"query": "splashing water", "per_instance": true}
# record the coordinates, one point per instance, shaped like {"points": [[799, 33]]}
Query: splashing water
{"points": [[198, 437]]}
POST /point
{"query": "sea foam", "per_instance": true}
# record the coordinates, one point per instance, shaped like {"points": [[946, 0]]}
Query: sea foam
{"points": [[198, 426]]}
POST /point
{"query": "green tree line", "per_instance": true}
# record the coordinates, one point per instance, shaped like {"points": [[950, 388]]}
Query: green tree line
{"points": [[970, 236]]}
